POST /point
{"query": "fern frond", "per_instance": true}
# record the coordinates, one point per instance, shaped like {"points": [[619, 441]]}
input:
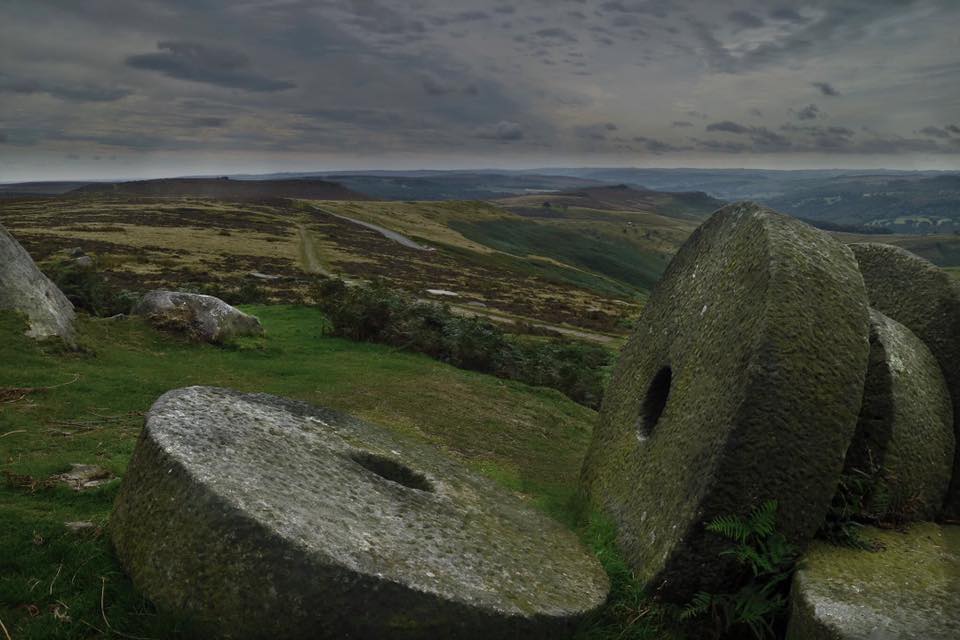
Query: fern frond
{"points": [[730, 527], [763, 519]]}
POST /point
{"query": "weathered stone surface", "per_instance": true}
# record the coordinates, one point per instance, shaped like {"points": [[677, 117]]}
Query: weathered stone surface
{"points": [[25, 289], [904, 438], [84, 476], [271, 518], [742, 383], [203, 317], [908, 590], [926, 300]]}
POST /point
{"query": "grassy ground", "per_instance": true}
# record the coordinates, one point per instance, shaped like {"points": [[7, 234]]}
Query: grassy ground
{"points": [[55, 583]]}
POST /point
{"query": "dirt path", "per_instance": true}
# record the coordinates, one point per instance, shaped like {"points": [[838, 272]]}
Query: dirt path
{"points": [[308, 253], [386, 233], [493, 316]]}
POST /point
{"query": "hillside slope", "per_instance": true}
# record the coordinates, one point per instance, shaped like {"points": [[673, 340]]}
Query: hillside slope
{"points": [[222, 188]]}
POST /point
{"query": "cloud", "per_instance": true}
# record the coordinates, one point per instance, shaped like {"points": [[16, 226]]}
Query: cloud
{"points": [[597, 131], [809, 112], [681, 123], [558, 34], [728, 126], [756, 112], [745, 19], [952, 128], [826, 88], [935, 132], [208, 121], [503, 130], [786, 14], [67, 92], [199, 62], [3, 137], [657, 146]]}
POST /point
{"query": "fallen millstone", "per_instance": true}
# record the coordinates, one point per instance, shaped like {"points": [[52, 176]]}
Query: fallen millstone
{"points": [[908, 590], [268, 518], [24, 288], [741, 384], [199, 316], [904, 440], [926, 299]]}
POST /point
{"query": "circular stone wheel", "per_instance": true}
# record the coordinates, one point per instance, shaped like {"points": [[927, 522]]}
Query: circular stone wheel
{"points": [[741, 384], [263, 517], [925, 299], [904, 441]]}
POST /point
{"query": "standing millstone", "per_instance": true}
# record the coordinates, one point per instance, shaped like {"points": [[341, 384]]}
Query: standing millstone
{"points": [[925, 299], [268, 518], [904, 440], [742, 383], [909, 589], [25, 289]]}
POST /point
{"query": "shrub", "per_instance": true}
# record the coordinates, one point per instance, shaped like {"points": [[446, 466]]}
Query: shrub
{"points": [[89, 290], [379, 313]]}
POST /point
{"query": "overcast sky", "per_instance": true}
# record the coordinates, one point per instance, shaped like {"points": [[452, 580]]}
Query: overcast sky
{"points": [[127, 88]]}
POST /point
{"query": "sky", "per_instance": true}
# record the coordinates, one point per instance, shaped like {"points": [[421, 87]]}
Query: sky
{"points": [[131, 89]]}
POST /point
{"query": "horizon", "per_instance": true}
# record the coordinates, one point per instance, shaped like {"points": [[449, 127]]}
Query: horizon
{"points": [[116, 90]]}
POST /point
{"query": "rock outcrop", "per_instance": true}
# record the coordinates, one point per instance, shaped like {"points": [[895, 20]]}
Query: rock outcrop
{"points": [[742, 383], [24, 288], [199, 316], [268, 518]]}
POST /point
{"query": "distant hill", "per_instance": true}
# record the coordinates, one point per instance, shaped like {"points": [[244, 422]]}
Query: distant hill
{"points": [[30, 189], [456, 185], [224, 188], [614, 198]]}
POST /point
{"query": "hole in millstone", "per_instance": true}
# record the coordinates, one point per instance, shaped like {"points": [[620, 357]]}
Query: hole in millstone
{"points": [[391, 470], [654, 402]]}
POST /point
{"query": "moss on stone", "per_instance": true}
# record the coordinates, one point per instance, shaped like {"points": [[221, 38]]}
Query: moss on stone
{"points": [[762, 323], [269, 518], [926, 300], [904, 439], [909, 589]]}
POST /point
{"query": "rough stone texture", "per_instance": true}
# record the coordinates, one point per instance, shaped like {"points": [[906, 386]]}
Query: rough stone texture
{"points": [[271, 518], [926, 300], [25, 289], [910, 589], [203, 317], [754, 346], [904, 437]]}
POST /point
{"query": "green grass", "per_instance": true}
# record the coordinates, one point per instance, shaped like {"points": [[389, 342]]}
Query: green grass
{"points": [[53, 581], [595, 251]]}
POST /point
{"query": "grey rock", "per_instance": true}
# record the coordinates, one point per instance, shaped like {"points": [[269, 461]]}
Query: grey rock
{"points": [[84, 476], [24, 289], [925, 299], [741, 384], [200, 316], [909, 590], [84, 262], [80, 526], [904, 440], [74, 252], [269, 518]]}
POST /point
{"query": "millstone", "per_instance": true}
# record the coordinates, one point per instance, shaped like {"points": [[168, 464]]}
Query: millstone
{"points": [[926, 300], [908, 589], [268, 518], [25, 289], [904, 440], [742, 383]]}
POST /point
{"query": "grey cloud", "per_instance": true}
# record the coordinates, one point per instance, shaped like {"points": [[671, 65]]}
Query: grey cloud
{"points": [[786, 14], [756, 112], [596, 131], [826, 88], [199, 62], [658, 146], [952, 128], [728, 126], [505, 9], [558, 34], [67, 92], [745, 19], [503, 130], [208, 121], [935, 132], [809, 112], [681, 123], [3, 137]]}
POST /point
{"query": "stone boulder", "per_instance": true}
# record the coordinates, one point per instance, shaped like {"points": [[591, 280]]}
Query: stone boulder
{"points": [[199, 316], [742, 383], [926, 299], [910, 589], [267, 518], [904, 440], [24, 288]]}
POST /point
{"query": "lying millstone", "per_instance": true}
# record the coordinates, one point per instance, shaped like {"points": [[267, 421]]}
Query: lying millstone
{"points": [[741, 384], [199, 316], [926, 299], [908, 589], [904, 440], [268, 518], [24, 288]]}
